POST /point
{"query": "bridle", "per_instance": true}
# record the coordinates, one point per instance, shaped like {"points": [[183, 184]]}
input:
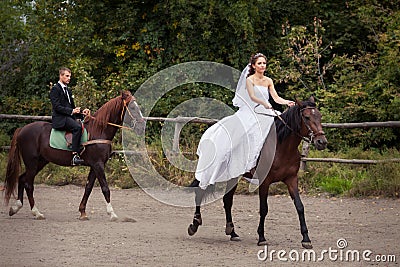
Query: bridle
{"points": [[310, 135]]}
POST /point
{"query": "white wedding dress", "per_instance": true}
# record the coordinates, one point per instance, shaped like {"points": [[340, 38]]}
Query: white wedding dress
{"points": [[230, 147]]}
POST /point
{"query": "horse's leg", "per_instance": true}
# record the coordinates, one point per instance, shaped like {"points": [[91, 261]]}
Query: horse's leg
{"points": [[292, 185], [20, 198], [197, 220], [32, 169], [263, 196], [99, 170], [228, 202], [88, 190]]}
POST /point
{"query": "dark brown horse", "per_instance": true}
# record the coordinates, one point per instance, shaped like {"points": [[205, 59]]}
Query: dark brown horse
{"points": [[31, 142], [302, 121]]}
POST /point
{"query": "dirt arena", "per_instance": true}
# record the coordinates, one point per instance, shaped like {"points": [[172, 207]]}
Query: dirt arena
{"points": [[150, 233]]}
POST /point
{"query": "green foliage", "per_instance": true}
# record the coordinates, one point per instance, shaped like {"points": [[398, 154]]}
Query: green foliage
{"points": [[4, 138], [13, 49], [382, 180], [353, 179], [335, 185]]}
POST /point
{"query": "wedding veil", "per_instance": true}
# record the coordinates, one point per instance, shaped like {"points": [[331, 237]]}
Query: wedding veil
{"points": [[241, 96]]}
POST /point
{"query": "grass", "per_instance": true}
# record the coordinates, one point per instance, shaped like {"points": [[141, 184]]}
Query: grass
{"points": [[354, 180]]}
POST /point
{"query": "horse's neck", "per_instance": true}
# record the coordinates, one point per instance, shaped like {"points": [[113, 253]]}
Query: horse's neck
{"points": [[107, 131], [110, 131], [290, 144]]}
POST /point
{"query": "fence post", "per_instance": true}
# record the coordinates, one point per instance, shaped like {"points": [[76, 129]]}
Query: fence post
{"points": [[304, 153], [177, 134]]}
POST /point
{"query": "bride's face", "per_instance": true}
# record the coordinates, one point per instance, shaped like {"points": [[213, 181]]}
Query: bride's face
{"points": [[260, 65]]}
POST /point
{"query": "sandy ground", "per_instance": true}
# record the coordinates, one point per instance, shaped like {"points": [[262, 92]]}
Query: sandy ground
{"points": [[150, 233]]}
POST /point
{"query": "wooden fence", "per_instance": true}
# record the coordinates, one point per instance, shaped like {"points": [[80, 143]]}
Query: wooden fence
{"points": [[181, 121]]}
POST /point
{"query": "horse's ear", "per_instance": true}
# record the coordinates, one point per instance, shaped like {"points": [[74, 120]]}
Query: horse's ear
{"points": [[298, 102], [312, 99]]}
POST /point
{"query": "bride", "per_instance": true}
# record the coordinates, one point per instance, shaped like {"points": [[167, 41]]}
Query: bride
{"points": [[230, 147]]}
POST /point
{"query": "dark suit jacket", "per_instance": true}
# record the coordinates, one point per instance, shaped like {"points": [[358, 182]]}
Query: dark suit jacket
{"points": [[61, 108]]}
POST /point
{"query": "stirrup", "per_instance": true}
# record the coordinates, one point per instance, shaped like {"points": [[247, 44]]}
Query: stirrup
{"points": [[76, 160]]}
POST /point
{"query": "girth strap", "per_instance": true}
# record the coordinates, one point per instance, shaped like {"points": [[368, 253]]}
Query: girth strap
{"points": [[97, 141]]}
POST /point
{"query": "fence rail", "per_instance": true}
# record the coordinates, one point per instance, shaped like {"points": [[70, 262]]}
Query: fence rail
{"points": [[181, 121]]}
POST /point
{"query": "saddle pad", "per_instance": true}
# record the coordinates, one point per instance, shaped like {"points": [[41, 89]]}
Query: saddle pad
{"points": [[57, 139]]}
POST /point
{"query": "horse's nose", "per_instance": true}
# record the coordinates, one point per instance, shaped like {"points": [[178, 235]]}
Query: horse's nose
{"points": [[322, 141]]}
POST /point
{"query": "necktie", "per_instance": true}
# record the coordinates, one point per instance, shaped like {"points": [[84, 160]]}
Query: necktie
{"points": [[66, 92]]}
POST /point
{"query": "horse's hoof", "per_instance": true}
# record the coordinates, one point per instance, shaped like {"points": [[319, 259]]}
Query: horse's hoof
{"points": [[84, 218], [262, 243], [235, 238], [307, 245], [192, 229], [11, 212], [40, 217], [229, 228], [114, 218]]}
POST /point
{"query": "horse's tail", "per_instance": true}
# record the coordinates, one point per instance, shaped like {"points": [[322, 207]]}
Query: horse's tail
{"points": [[13, 168]]}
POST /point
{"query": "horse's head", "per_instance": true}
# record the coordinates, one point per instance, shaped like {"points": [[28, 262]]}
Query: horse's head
{"points": [[133, 116], [312, 127]]}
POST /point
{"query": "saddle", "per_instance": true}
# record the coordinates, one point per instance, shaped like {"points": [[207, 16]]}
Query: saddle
{"points": [[68, 136], [60, 139]]}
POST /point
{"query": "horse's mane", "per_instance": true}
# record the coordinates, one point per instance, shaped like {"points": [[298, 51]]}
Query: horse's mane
{"points": [[292, 117], [98, 123]]}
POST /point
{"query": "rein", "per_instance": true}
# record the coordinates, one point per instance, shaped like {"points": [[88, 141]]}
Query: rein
{"points": [[311, 133]]}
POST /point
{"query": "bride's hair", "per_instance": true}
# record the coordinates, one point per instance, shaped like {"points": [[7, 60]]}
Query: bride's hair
{"points": [[252, 61]]}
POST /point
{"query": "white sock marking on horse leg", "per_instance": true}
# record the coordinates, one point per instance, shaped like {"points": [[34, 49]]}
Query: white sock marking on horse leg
{"points": [[110, 211], [17, 207], [37, 214]]}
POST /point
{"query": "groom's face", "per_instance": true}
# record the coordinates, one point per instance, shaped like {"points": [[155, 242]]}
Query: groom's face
{"points": [[65, 77]]}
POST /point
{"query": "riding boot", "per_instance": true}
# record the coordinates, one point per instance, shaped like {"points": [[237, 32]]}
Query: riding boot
{"points": [[76, 160]]}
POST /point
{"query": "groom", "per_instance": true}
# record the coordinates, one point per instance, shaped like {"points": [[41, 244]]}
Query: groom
{"points": [[64, 112]]}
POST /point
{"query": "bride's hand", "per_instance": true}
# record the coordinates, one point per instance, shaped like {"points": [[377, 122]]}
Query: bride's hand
{"points": [[86, 112], [267, 106], [290, 103]]}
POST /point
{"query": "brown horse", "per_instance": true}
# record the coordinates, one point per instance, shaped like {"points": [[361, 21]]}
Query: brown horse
{"points": [[302, 121], [31, 142]]}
